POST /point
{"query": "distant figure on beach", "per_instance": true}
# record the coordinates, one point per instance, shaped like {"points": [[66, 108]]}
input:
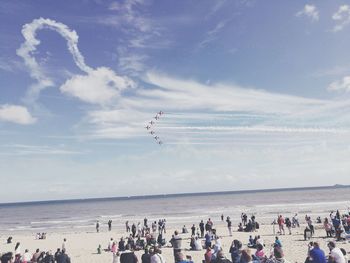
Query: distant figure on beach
{"points": [[328, 227], [229, 225], [97, 226], [289, 225], [145, 222], [295, 221], [127, 226], [201, 228], [133, 230], [281, 222], [193, 230], [222, 217], [109, 225], [64, 243], [9, 240]]}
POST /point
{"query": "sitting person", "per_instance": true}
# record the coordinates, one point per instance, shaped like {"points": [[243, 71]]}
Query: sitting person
{"points": [[184, 230], [9, 240], [240, 227], [198, 244], [259, 254]]}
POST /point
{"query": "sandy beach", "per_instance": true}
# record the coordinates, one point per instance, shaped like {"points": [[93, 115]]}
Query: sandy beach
{"points": [[82, 245]]}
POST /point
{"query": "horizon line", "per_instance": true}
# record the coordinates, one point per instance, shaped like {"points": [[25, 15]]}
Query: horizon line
{"points": [[136, 197]]}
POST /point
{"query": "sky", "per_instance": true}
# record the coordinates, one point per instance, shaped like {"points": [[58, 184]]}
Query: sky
{"points": [[253, 94]]}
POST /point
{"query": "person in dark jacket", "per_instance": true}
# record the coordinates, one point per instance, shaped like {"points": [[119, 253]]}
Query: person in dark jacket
{"points": [[128, 256], [146, 257], [63, 257], [221, 258]]}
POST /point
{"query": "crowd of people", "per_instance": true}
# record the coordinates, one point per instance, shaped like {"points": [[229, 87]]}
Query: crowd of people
{"points": [[150, 238]]}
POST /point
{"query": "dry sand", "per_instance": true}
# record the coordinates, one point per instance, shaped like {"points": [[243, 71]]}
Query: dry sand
{"points": [[82, 246]]}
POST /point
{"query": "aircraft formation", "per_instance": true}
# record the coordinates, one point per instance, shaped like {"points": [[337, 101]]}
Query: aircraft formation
{"points": [[151, 125]]}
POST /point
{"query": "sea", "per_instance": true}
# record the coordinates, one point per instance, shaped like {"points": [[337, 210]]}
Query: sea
{"points": [[178, 210]]}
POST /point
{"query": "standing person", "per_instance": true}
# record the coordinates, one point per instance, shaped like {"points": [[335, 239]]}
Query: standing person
{"points": [[201, 227], [145, 222], [222, 217], [193, 230], [109, 225], [127, 227], [289, 225], [176, 243], [128, 256], [64, 244], [146, 257], [229, 226], [315, 254], [335, 253], [296, 221], [97, 226], [327, 227], [207, 240], [133, 230], [281, 222]]}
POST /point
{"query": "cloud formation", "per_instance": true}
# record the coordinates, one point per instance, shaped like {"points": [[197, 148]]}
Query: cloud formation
{"points": [[342, 16], [16, 114], [97, 86], [310, 11], [100, 86], [340, 85]]}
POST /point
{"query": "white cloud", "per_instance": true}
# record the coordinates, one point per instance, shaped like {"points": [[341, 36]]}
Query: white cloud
{"points": [[100, 86], [16, 114], [341, 85], [342, 16], [309, 11]]}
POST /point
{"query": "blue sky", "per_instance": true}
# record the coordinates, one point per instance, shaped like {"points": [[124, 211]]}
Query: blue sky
{"points": [[255, 94]]}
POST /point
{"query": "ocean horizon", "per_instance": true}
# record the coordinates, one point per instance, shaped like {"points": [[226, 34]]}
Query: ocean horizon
{"points": [[135, 197], [177, 209]]}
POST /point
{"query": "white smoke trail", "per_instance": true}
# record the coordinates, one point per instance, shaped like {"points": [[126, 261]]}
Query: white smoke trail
{"points": [[30, 44], [97, 86]]}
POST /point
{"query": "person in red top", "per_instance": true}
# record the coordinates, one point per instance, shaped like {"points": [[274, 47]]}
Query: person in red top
{"points": [[207, 255], [280, 222]]}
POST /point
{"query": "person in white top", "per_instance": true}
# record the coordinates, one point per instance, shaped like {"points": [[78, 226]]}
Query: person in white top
{"points": [[64, 247], [27, 257], [157, 256], [336, 253]]}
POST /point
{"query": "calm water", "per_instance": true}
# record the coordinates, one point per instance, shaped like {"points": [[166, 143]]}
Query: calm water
{"points": [[178, 210]]}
